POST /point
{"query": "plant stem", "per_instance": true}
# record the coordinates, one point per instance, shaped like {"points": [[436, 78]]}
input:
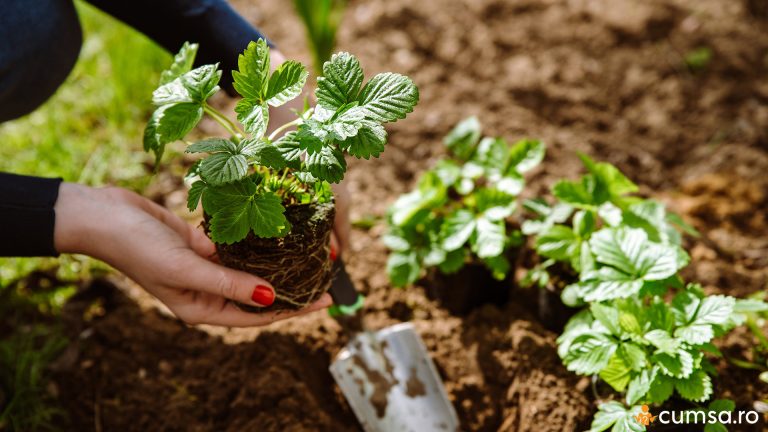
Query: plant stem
{"points": [[296, 122], [226, 123]]}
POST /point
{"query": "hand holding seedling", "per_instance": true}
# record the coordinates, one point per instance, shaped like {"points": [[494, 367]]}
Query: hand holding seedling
{"points": [[162, 253]]}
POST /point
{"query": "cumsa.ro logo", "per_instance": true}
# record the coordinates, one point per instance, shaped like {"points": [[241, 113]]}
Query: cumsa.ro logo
{"points": [[645, 418]]}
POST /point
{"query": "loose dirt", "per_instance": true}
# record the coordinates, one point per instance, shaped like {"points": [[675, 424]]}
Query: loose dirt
{"points": [[604, 77]]}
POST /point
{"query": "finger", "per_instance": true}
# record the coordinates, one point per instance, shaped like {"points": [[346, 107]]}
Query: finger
{"points": [[200, 274], [231, 316]]}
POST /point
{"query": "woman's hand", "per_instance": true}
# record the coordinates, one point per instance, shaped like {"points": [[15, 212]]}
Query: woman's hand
{"points": [[162, 253]]}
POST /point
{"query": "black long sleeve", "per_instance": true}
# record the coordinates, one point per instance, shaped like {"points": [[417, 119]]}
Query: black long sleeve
{"points": [[221, 32], [27, 218]]}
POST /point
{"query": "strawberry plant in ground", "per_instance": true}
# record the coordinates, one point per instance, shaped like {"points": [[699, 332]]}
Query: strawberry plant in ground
{"points": [[461, 209], [642, 330]]}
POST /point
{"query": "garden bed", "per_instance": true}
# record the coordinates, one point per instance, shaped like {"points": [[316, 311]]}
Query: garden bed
{"points": [[607, 78]]}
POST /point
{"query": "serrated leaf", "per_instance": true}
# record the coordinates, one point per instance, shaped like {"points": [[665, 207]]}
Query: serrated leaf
{"points": [[573, 193], [286, 83], [492, 154], [238, 208], [615, 182], [630, 251], [633, 355], [221, 168], [264, 153], [170, 123], [253, 115], [194, 195], [341, 81], [494, 204], [290, 148], [608, 316], [182, 63], [463, 138], [558, 242], [369, 142], [640, 386], [608, 284], [388, 97], [525, 155], [328, 164], [715, 310], [662, 341], [695, 334], [677, 366], [212, 145], [489, 237], [252, 77], [589, 353], [172, 93], [457, 229], [202, 83], [403, 268], [697, 387], [615, 416], [616, 373], [345, 124], [661, 389]]}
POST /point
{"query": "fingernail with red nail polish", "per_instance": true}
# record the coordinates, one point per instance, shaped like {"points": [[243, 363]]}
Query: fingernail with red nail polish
{"points": [[333, 253], [263, 295]]}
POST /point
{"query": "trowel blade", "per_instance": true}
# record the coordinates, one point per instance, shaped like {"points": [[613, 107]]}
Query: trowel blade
{"points": [[391, 383]]}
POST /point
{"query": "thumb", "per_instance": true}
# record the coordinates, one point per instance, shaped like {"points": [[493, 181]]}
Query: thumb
{"points": [[205, 276]]}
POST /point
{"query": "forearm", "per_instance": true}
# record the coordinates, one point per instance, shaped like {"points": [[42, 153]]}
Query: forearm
{"points": [[221, 32], [27, 216]]}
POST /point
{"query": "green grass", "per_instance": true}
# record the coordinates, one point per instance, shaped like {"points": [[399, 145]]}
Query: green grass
{"points": [[90, 132]]}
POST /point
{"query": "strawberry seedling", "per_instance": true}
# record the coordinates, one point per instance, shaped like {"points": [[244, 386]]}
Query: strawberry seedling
{"points": [[461, 210], [266, 198]]}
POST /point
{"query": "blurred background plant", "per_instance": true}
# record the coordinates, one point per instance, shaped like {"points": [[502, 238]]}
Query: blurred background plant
{"points": [[90, 132], [321, 19]]}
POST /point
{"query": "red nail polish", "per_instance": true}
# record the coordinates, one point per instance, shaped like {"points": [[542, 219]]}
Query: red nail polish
{"points": [[333, 253], [263, 295]]}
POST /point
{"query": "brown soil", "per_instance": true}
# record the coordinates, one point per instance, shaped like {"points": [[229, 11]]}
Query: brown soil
{"points": [[605, 77]]}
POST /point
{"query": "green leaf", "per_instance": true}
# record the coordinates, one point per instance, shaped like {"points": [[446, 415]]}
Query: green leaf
{"points": [[194, 195], [679, 366], [662, 341], [616, 373], [697, 387], [403, 268], [499, 266], [253, 115], [369, 141], [525, 155], [575, 193], [488, 238], [328, 164], [608, 284], [221, 168], [388, 97], [608, 316], [589, 353], [661, 389], [341, 81], [608, 175], [170, 123], [345, 124], [640, 386], [457, 229], [629, 251], [494, 204], [615, 416], [265, 154], [584, 223], [251, 78], [492, 154], [715, 310], [182, 63], [212, 145], [454, 261], [558, 242], [172, 93], [286, 83], [290, 149], [463, 139], [237, 208], [720, 405], [202, 83]]}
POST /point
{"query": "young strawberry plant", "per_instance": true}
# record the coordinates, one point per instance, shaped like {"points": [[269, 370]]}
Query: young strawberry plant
{"points": [[460, 211], [266, 197], [625, 254]]}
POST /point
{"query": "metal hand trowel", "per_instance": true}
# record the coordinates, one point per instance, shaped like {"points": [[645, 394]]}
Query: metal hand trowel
{"points": [[386, 376]]}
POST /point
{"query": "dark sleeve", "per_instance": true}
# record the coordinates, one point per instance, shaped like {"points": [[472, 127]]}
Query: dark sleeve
{"points": [[221, 32], [27, 217]]}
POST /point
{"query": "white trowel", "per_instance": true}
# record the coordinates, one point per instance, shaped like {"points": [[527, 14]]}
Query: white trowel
{"points": [[387, 375]]}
